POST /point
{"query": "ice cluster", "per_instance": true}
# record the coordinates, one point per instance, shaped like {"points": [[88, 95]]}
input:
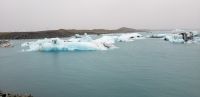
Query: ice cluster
{"points": [[179, 36], [79, 42], [105, 42]]}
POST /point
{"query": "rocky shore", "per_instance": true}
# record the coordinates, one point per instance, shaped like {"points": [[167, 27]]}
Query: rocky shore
{"points": [[61, 33], [5, 94]]}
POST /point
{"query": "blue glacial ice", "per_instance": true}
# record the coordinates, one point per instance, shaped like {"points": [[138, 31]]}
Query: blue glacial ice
{"points": [[57, 44], [78, 42]]}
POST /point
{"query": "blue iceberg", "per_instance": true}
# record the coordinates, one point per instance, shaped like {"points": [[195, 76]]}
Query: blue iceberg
{"points": [[57, 44]]}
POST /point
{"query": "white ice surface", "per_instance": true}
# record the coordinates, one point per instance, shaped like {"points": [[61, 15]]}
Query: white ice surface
{"points": [[129, 37], [57, 44], [174, 38]]}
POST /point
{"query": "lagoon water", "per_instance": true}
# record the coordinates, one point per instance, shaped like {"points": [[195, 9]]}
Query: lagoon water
{"points": [[143, 68]]}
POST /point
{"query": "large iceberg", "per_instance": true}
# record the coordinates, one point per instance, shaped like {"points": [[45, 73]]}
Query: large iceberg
{"points": [[182, 36], [57, 44], [79, 42]]}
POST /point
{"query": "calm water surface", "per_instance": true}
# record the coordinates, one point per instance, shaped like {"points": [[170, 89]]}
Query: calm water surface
{"points": [[143, 68]]}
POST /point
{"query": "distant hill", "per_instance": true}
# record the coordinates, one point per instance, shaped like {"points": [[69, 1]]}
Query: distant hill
{"points": [[61, 33], [125, 29]]}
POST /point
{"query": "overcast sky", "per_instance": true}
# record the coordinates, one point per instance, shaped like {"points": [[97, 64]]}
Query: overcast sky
{"points": [[29, 15]]}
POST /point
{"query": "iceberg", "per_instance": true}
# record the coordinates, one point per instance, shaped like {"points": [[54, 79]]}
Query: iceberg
{"points": [[174, 38], [107, 41], [183, 37], [173, 32], [79, 42], [129, 37], [121, 37], [157, 36], [57, 44]]}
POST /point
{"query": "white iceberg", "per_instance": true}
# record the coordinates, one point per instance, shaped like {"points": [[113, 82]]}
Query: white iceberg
{"points": [[57, 44], [157, 36], [174, 38], [107, 41], [182, 36], [129, 37]]}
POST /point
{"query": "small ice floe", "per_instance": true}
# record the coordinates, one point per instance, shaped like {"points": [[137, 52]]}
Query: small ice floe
{"points": [[174, 38], [129, 37], [157, 36], [5, 44], [57, 44]]}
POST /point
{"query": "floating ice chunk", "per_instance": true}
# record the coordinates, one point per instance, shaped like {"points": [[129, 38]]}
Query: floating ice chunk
{"points": [[182, 36], [129, 37], [77, 36], [25, 44], [107, 39], [174, 38], [177, 38], [158, 36]]}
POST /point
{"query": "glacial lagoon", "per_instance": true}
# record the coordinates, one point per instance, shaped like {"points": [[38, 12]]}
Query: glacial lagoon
{"points": [[142, 68]]}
